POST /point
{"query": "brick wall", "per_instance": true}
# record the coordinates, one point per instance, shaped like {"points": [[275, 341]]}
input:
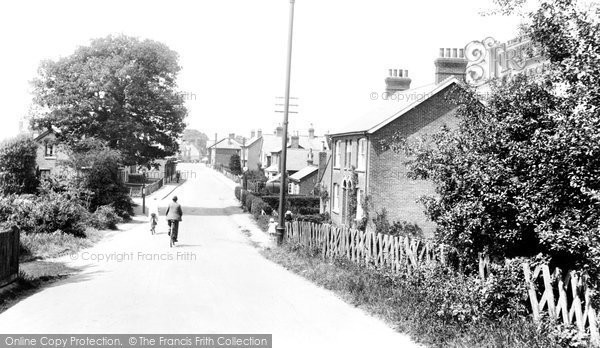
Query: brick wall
{"points": [[223, 156], [389, 186]]}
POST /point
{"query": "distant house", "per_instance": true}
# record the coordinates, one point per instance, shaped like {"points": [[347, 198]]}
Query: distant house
{"points": [[360, 161], [189, 152], [264, 149], [48, 153], [296, 159], [303, 182], [221, 151]]}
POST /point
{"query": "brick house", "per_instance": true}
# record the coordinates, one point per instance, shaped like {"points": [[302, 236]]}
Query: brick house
{"points": [[359, 160], [262, 149], [48, 155], [221, 151], [303, 182]]}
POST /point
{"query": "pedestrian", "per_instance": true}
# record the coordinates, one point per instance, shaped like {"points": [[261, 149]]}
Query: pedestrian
{"points": [[272, 227], [177, 176], [288, 216], [153, 213], [174, 214]]}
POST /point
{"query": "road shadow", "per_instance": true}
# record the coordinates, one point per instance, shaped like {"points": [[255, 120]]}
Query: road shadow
{"points": [[38, 275], [204, 211]]}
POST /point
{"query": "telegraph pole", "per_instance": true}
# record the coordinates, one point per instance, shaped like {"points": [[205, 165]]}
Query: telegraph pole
{"points": [[282, 165]]}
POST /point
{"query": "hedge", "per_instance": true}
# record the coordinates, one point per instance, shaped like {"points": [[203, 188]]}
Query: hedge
{"points": [[295, 203]]}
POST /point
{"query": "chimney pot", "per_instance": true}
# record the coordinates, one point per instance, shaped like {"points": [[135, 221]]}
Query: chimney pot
{"points": [[451, 63]]}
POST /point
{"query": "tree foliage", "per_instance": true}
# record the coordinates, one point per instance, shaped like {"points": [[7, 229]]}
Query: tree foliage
{"points": [[521, 173], [18, 166], [117, 89], [234, 164], [197, 137], [97, 176]]}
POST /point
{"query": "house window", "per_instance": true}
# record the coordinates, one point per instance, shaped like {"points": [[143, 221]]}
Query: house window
{"points": [[336, 197], [338, 155], [44, 173], [362, 154], [49, 150], [348, 158]]}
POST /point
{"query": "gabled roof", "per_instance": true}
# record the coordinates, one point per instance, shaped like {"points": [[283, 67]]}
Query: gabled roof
{"points": [[51, 130], [304, 172], [296, 159], [394, 107], [226, 143]]}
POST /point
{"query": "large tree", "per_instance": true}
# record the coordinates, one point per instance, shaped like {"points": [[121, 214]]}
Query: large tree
{"points": [[521, 174], [118, 89], [197, 137]]}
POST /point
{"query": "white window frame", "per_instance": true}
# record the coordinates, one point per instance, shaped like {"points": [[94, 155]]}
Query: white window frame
{"points": [[336, 199], [348, 156], [362, 154], [338, 155]]}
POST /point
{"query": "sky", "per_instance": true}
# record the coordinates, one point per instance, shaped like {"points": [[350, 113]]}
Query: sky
{"points": [[233, 52]]}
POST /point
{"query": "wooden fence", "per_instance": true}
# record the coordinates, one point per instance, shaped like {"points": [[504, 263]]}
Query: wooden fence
{"points": [[9, 255], [562, 296], [384, 251]]}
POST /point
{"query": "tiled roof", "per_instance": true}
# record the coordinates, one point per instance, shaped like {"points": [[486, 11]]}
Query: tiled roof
{"points": [[395, 106], [302, 173], [227, 143]]}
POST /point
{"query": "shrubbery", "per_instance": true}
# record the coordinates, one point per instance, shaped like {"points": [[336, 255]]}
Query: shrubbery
{"points": [[46, 213], [105, 217], [237, 192], [17, 166], [295, 203]]}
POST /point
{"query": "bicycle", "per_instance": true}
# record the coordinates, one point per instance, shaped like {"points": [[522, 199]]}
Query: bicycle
{"points": [[172, 236]]}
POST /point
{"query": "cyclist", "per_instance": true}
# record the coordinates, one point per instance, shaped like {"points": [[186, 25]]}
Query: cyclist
{"points": [[174, 214], [153, 214]]}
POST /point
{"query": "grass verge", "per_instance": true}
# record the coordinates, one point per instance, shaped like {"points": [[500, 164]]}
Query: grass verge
{"points": [[33, 276], [407, 308], [36, 246]]}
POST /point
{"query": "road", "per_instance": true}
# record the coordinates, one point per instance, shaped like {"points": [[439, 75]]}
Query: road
{"points": [[213, 281]]}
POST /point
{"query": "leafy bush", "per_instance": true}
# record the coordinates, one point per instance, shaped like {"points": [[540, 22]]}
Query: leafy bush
{"points": [[258, 206], [308, 211], [105, 217], [248, 202], [234, 164], [316, 218], [98, 166], [237, 192], [294, 203], [18, 166], [49, 213], [395, 228]]}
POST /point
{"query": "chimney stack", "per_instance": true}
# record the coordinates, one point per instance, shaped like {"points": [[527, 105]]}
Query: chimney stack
{"points": [[252, 134], [231, 135], [451, 62], [279, 131], [397, 81], [311, 132], [259, 133], [310, 158], [295, 141]]}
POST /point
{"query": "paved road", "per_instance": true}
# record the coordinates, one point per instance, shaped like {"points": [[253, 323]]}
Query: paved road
{"points": [[214, 281]]}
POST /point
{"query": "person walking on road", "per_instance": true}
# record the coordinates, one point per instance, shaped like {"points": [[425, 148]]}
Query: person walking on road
{"points": [[174, 214], [153, 214]]}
